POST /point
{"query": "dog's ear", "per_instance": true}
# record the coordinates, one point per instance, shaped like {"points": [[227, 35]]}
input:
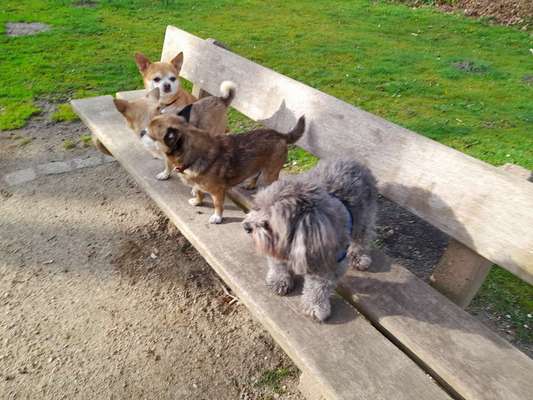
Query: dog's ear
{"points": [[142, 62], [121, 105], [314, 243], [153, 94], [177, 61], [185, 112], [172, 139]]}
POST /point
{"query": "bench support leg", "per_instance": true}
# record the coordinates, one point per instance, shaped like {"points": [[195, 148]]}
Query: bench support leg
{"points": [[309, 388], [461, 271]]}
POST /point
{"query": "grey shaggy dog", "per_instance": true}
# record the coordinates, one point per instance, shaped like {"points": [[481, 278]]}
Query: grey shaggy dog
{"points": [[316, 224]]}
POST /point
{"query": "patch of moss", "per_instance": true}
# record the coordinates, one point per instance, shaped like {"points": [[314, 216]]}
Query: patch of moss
{"points": [[64, 112]]}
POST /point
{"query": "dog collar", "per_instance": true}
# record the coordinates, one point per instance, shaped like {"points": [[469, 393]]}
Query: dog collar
{"points": [[341, 255], [164, 106]]}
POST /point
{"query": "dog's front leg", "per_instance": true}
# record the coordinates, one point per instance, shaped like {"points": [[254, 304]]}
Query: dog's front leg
{"points": [[279, 277], [315, 299], [164, 175], [218, 202]]}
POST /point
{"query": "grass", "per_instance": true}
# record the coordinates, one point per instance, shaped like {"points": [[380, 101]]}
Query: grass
{"points": [[25, 141], [511, 299], [86, 140], [64, 112], [460, 81], [69, 144], [273, 378]]}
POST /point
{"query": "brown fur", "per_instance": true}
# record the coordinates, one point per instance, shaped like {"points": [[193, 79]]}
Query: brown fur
{"points": [[213, 164]]}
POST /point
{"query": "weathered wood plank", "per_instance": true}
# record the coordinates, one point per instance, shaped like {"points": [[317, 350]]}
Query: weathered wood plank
{"points": [[460, 351], [347, 357], [461, 271], [480, 206]]}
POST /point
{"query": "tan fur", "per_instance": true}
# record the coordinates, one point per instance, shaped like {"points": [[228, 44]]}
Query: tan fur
{"points": [[149, 70], [215, 163]]}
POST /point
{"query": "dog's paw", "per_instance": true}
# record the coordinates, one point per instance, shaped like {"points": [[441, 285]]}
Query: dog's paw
{"points": [[281, 286], [195, 201], [163, 176], [319, 312], [363, 263], [215, 219]]}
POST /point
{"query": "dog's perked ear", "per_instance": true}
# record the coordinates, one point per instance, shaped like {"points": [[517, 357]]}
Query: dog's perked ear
{"points": [[185, 112], [121, 105], [142, 62], [153, 94], [177, 61], [172, 139]]}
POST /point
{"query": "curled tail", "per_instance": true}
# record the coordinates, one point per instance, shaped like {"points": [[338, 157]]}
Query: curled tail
{"points": [[227, 92], [296, 133]]}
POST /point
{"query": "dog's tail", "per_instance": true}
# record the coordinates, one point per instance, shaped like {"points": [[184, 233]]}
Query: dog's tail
{"points": [[297, 132], [227, 91]]}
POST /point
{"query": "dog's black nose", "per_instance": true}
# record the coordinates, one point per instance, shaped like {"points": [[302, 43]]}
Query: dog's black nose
{"points": [[166, 87], [142, 132], [247, 227]]}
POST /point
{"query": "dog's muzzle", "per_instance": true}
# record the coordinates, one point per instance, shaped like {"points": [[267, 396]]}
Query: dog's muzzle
{"points": [[142, 132], [166, 87]]}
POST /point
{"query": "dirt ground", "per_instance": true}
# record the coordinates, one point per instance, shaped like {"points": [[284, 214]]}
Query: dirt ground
{"points": [[100, 297]]}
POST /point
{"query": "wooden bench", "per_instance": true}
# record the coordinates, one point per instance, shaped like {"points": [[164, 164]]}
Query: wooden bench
{"points": [[391, 336]]}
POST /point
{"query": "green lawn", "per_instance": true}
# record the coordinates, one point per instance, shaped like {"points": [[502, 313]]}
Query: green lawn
{"points": [[460, 81]]}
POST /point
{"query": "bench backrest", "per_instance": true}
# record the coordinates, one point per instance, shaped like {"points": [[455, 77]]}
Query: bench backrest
{"points": [[486, 209]]}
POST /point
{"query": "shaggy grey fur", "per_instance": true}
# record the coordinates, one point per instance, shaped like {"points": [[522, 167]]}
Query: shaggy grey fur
{"points": [[301, 223]]}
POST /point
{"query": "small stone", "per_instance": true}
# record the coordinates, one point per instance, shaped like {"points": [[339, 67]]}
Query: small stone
{"points": [[52, 168], [87, 162], [19, 177]]}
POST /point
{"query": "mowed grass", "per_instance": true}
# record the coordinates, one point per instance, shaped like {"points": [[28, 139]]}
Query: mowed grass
{"points": [[459, 81]]}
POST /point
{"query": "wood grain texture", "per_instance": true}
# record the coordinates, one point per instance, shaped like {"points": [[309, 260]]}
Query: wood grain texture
{"points": [[475, 203], [460, 351], [460, 273], [347, 357]]}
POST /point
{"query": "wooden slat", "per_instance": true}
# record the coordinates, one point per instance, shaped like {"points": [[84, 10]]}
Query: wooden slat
{"points": [[424, 323], [461, 272], [462, 353], [347, 357], [485, 209]]}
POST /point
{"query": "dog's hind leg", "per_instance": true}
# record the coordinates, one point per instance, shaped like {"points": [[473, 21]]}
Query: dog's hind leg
{"points": [[315, 298], [279, 277], [218, 202], [198, 198]]}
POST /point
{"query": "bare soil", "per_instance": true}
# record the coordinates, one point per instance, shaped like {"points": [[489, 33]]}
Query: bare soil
{"points": [[505, 12], [25, 28], [101, 298]]}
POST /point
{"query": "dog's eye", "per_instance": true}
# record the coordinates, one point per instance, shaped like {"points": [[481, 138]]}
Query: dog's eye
{"points": [[157, 79], [172, 78], [265, 225]]}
